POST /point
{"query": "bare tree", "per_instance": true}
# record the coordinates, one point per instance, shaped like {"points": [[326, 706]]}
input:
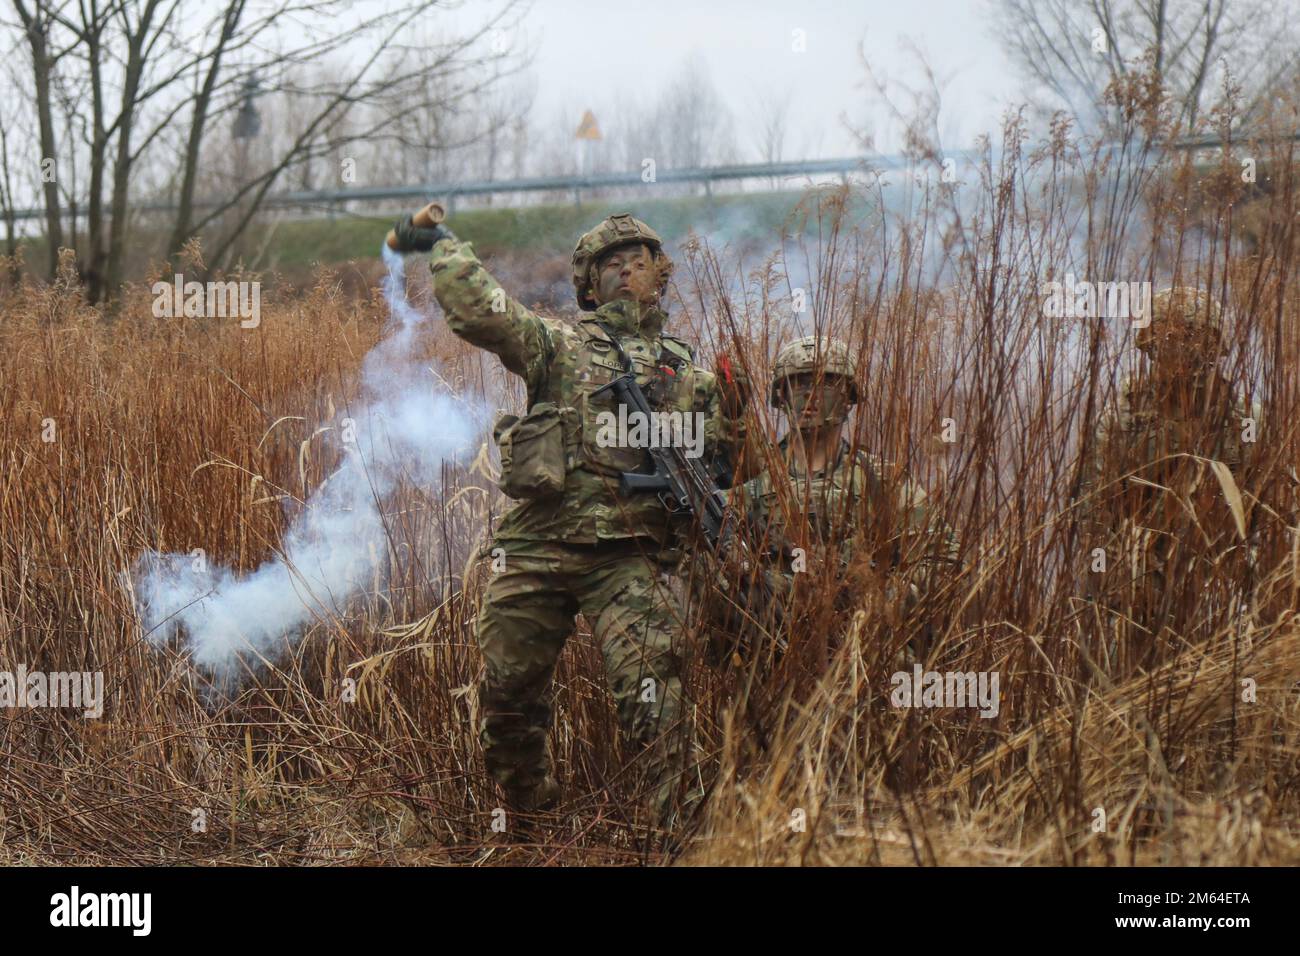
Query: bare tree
{"points": [[634, 134], [201, 109], [143, 85], [686, 125], [370, 106], [500, 118], [37, 23], [1074, 49], [697, 126], [8, 207], [131, 59], [770, 122]]}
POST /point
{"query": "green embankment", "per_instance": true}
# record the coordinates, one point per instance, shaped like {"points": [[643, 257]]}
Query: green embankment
{"points": [[547, 229], [295, 247]]}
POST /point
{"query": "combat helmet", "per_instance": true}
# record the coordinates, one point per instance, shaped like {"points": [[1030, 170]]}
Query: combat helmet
{"points": [[618, 230], [1188, 304], [810, 354]]}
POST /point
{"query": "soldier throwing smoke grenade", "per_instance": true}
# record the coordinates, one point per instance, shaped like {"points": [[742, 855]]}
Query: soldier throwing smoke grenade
{"points": [[830, 494], [574, 543]]}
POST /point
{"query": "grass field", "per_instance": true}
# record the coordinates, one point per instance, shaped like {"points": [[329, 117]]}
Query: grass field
{"points": [[353, 742]]}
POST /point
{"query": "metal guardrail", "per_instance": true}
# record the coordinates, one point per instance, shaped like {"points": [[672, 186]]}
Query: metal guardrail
{"points": [[575, 184], [703, 174], [450, 191]]}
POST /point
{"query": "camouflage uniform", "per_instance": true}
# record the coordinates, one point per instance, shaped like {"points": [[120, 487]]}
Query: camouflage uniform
{"points": [[586, 548], [1140, 443], [858, 495], [840, 502]]}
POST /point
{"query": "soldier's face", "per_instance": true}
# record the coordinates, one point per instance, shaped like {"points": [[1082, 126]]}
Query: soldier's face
{"points": [[814, 399], [626, 273]]}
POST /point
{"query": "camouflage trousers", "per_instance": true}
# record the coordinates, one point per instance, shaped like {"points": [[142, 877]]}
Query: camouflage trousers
{"points": [[526, 616]]}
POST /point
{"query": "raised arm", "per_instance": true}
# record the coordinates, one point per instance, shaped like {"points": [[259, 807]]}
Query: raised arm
{"points": [[480, 312]]}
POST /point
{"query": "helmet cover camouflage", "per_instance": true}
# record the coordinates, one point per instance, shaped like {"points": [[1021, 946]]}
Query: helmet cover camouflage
{"points": [[813, 354], [618, 230], [1194, 307]]}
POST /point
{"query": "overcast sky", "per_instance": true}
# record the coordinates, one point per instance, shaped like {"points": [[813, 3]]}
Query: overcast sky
{"points": [[589, 53]]}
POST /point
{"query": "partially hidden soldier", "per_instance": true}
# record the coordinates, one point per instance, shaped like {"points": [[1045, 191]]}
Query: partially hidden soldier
{"points": [[574, 543], [1149, 463], [831, 506]]}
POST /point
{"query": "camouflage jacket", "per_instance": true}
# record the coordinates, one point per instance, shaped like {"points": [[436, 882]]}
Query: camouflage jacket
{"points": [[565, 363], [859, 502], [1136, 439], [1139, 437]]}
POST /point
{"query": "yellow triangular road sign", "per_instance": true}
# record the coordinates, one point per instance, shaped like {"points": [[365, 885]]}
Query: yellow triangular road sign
{"points": [[588, 129]]}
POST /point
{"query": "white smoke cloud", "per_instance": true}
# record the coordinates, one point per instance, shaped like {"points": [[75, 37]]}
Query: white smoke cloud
{"points": [[406, 427]]}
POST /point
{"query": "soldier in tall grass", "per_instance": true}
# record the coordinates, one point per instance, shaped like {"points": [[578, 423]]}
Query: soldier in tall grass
{"points": [[1164, 511], [574, 543], [829, 515]]}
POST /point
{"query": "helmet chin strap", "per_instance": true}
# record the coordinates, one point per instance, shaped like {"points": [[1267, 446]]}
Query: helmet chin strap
{"points": [[815, 445]]}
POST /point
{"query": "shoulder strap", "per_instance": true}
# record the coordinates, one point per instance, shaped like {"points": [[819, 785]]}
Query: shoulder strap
{"points": [[871, 470], [589, 320], [618, 346]]}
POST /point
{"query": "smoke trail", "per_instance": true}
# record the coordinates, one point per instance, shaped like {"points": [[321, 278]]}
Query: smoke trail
{"points": [[404, 428]]}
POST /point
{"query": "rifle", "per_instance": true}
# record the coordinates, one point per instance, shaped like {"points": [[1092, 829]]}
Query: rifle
{"points": [[686, 487]]}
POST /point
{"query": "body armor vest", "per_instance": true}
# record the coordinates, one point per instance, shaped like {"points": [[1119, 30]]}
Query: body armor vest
{"points": [[664, 371], [829, 503]]}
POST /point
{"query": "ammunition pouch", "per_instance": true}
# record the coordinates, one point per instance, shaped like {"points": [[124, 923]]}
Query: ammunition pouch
{"points": [[536, 450]]}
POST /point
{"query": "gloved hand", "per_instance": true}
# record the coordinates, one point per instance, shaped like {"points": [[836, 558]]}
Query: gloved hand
{"points": [[734, 386], [413, 238]]}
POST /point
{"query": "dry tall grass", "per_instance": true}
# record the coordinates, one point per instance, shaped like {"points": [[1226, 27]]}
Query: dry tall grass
{"points": [[175, 434]]}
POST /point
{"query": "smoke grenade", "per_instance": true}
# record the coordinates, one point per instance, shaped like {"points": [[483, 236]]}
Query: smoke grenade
{"points": [[406, 427]]}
